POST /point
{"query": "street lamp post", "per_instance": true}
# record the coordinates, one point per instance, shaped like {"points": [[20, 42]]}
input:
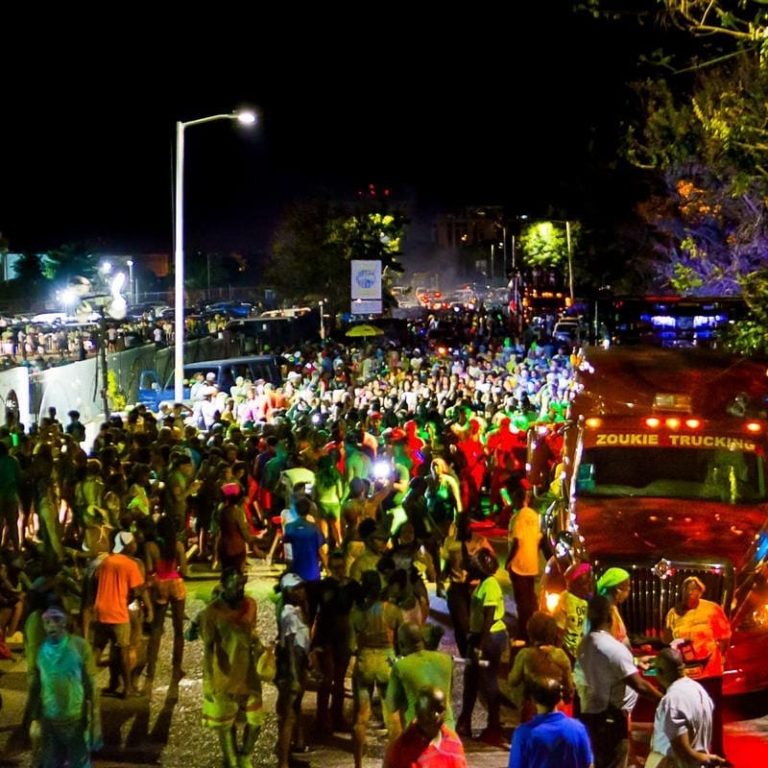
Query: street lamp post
{"points": [[246, 118], [493, 265], [131, 290]]}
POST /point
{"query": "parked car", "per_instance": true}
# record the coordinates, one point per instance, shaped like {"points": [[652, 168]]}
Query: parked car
{"points": [[154, 390]]}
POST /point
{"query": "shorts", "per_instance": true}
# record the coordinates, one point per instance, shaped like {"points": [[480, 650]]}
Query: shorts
{"points": [[374, 665], [169, 589], [220, 710], [330, 510], [120, 634]]}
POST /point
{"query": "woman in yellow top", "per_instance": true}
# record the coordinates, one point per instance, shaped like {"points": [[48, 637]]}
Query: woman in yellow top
{"points": [[488, 640], [703, 625]]}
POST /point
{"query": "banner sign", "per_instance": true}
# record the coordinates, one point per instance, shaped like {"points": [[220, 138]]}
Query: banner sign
{"points": [[366, 287], [657, 439]]}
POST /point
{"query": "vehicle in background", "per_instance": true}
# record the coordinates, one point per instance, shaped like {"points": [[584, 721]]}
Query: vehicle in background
{"points": [[147, 311], [672, 321], [277, 328], [155, 390], [548, 304], [405, 296], [234, 309], [569, 330], [663, 473]]}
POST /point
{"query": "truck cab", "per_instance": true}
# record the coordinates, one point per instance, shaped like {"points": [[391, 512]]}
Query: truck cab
{"points": [[661, 476]]}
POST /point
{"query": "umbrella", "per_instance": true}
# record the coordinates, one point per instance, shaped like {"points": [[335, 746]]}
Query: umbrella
{"points": [[364, 330]]}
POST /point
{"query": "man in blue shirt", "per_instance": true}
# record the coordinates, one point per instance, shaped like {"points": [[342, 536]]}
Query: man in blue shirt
{"points": [[306, 542], [551, 739]]}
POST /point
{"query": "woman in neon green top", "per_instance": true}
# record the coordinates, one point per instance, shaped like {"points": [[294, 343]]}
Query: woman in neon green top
{"points": [[488, 639]]}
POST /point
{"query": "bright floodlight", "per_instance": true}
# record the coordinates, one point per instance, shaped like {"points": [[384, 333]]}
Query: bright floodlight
{"points": [[246, 117], [68, 297], [105, 267]]}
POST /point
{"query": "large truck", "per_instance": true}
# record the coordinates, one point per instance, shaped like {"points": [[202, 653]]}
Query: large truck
{"points": [[663, 473]]}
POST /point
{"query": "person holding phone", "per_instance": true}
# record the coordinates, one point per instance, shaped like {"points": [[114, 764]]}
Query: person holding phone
{"points": [[682, 727]]}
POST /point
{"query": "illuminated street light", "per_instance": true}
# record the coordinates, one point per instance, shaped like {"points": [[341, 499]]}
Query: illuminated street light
{"points": [[244, 118], [131, 290], [68, 298]]}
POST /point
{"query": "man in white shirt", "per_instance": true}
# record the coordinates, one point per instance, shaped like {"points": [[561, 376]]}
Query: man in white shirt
{"points": [[682, 728], [613, 683]]}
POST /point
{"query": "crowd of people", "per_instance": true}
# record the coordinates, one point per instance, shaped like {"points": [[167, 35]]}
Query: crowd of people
{"points": [[44, 345], [375, 474]]}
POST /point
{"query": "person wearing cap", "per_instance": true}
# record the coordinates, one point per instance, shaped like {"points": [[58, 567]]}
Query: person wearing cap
{"points": [[703, 626], [682, 727], [613, 684], [571, 611], [119, 581], [228, 627], [63, 698], [614, 585], [293, 646]]}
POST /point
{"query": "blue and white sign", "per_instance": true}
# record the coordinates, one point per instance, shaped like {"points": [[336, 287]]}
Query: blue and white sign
{"points": [[366, 280]]}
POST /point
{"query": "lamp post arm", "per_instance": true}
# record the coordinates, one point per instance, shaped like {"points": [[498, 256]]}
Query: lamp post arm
{"points": [[210, 119]]}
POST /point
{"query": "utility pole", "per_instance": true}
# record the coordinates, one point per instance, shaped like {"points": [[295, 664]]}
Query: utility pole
{"points": [[504, 247], [570, 257], [493, 256], [103, 361]]}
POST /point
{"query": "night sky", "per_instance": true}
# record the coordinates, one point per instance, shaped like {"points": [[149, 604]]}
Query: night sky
{"points": [[478, 108]]}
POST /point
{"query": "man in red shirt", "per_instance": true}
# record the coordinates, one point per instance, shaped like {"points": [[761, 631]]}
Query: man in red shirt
{"points": [[119, 580], [427, 742]]}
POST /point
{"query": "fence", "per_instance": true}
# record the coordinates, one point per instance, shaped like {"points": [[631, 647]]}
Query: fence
{"points": [[77, 386]]}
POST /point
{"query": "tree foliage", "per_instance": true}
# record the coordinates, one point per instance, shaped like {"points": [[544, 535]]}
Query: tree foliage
{"points": [[70, 260], [545, 243], [704, 133], [316, 240]]}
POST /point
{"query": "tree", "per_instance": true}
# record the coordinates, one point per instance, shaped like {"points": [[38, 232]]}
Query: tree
{"points": [[545, 243], [29, 271], [702, 133], [70, 260], [316, 240]]}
